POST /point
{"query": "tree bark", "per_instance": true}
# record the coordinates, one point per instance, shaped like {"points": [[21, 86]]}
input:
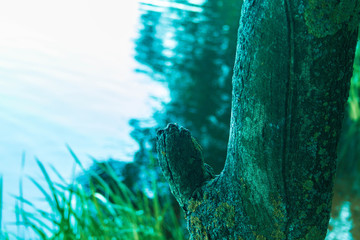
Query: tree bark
{"points": [[291, 80]]}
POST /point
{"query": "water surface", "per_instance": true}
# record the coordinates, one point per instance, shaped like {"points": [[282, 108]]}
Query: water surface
{"points": [[67, 76]]}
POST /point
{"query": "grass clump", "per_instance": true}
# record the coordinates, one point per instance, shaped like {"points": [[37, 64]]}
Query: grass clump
{"points": [[105, 210], [3, 234]]}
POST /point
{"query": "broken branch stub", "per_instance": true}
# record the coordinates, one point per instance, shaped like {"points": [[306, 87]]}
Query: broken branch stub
{"points": [[181, 161]]}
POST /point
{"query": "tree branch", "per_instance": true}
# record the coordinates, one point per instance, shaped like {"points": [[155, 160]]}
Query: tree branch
{"points": [[181, 162]]}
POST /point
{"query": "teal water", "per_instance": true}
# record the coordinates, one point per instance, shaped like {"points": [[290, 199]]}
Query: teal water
{"points": [[67, 76]]}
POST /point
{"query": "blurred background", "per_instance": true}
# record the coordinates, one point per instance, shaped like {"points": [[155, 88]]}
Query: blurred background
{"points": [[85, 85]]}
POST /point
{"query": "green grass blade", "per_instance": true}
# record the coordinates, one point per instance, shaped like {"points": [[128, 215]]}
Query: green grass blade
{"points": [[37, 229], [47, 196], [23, 159], [75, 157], [62, 179], [32, 218], [23, 200], [100, 209], [51, 186], [1, 204]]}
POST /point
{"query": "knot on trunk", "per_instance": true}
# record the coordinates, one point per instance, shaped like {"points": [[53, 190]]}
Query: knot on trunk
{"points": [[181, 161]]}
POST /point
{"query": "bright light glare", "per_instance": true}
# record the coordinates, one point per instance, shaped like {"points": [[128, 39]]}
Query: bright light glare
{"points": [[86, 27]]}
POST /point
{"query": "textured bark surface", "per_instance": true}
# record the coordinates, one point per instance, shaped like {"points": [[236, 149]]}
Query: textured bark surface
{"points": [[181, 161], [291, 80]]}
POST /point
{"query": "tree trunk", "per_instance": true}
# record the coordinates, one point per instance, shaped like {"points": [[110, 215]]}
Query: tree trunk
{"points": [[291, 79]]}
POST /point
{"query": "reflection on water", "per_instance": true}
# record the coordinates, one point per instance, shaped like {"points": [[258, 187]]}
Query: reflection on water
{"points": [[193, 53]]}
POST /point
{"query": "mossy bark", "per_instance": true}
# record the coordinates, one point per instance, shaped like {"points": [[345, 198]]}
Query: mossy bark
{"points": [[290, 84]]}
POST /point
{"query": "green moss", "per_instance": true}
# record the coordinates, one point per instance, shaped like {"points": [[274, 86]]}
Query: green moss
{"points": [[324, 163], [226, 213], [260, 237], [322, 151], [326, 17], [321, 208], [198, 231], [279, 211], [308, 185], [277, 233], [196, 144], [193, 204], [327, 128], [196, 221], [302, 215], [316, 135], [314, 233]]}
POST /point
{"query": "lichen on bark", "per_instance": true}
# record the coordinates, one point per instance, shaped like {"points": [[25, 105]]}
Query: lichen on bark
{"points": [[326, 17], [290, 83]]}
